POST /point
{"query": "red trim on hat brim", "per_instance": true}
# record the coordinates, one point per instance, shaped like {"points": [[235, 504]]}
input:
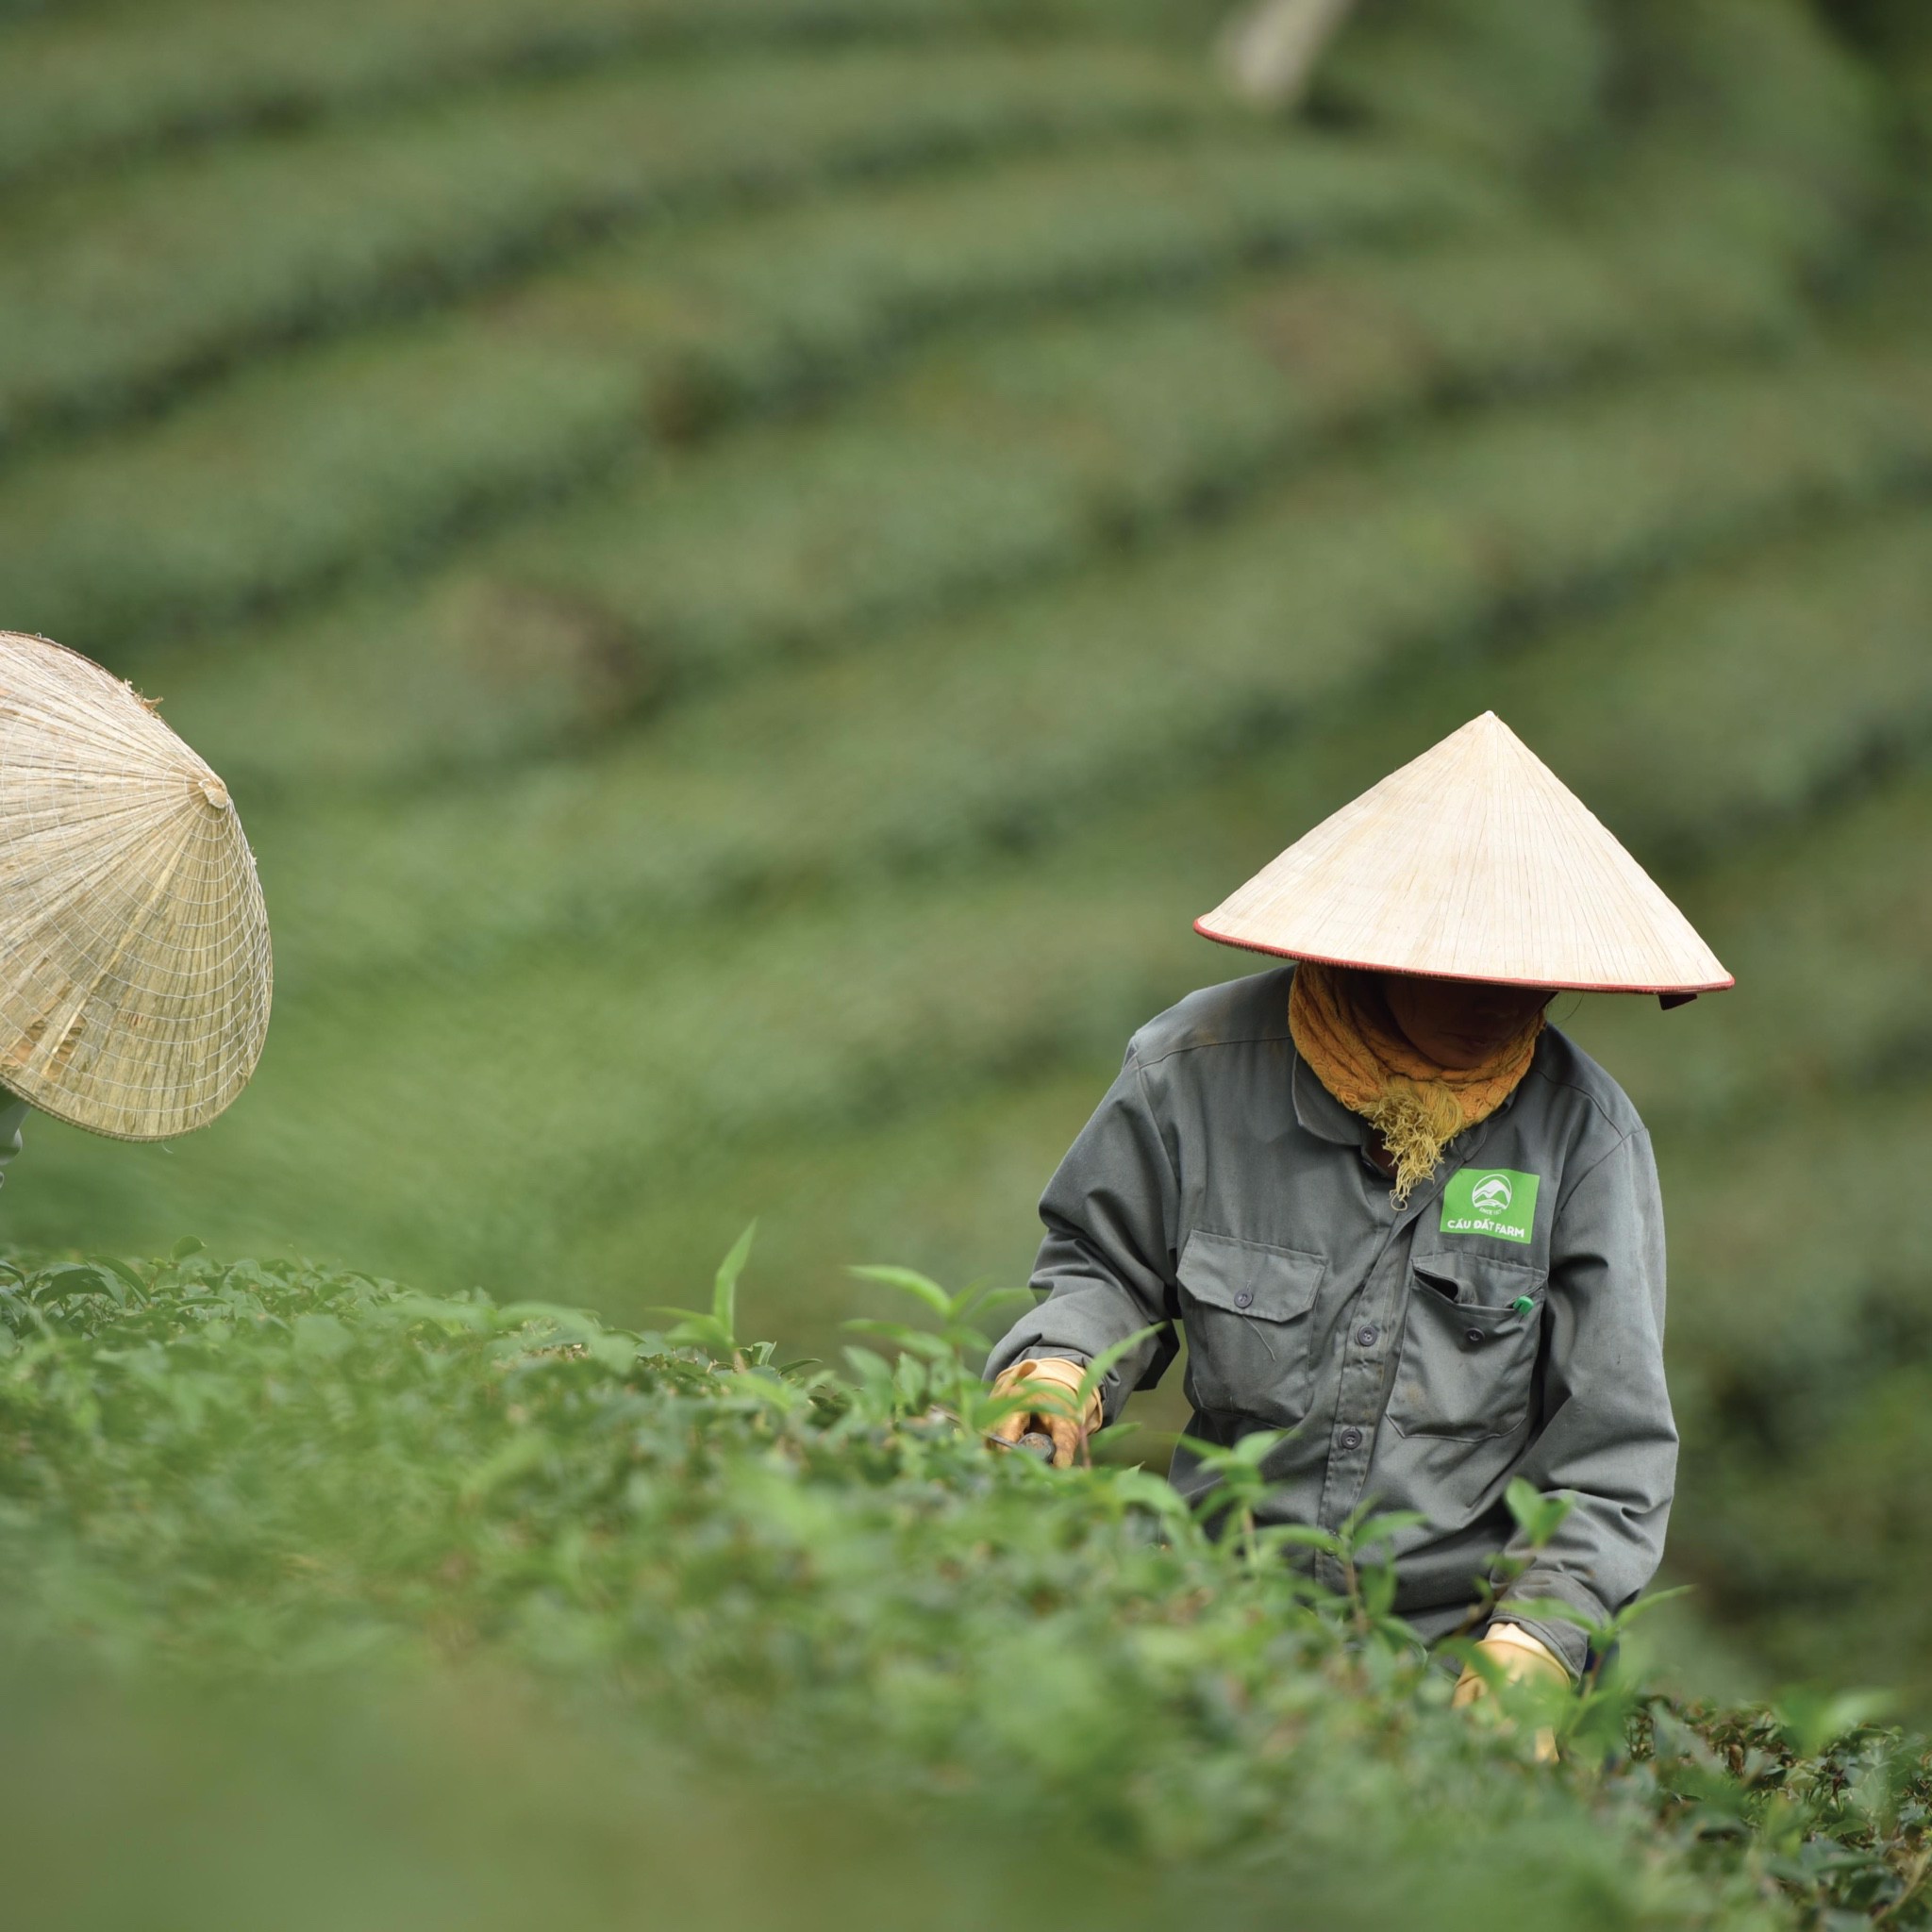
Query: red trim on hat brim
{"points": [[1206, 932]]}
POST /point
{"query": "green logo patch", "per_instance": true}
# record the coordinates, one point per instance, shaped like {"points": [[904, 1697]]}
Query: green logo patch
{"points": [[1495, 1201]]}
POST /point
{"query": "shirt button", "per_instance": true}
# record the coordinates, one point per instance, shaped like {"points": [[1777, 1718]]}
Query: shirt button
{"points": [[1242, 1299], [1351, 1438], [1473, 1337], [1366, 1337]]}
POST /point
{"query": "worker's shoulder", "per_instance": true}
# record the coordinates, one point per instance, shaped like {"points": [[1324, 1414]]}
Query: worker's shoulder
{"points": [[1575, 1086], [1238, 1013]]}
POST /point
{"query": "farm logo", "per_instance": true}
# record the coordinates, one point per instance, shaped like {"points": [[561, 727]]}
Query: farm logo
{"points": [[1492, 1195], [1494, 1201]]}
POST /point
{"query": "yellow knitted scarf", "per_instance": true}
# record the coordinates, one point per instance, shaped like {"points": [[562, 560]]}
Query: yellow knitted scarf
{"points": [[1342, 1028]]}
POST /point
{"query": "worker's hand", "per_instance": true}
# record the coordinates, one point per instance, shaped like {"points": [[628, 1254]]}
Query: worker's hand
{"points": [[1524, 1660], [1059, 1381]]}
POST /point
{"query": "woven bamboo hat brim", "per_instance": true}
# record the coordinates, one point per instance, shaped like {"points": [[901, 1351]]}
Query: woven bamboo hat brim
{"points": [[134, 948], [1474, 861]]}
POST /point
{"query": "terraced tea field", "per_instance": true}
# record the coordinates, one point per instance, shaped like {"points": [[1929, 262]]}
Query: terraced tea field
{"points": [[752, 566]]}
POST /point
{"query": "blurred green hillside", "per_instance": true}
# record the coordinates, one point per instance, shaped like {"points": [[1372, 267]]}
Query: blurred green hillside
{"points": [[751, 564]]}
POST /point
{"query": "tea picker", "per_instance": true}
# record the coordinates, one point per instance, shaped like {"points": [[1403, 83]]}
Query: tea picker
{"points": [[1396, 1216], [134, 948]]}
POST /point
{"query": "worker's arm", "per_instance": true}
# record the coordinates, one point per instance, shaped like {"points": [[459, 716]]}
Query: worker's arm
{"points": [[1608, 1440], [1106, 1264], [13, 1112]]}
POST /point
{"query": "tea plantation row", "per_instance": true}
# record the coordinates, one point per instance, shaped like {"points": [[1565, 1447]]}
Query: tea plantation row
{"points": [[431, 1536]]}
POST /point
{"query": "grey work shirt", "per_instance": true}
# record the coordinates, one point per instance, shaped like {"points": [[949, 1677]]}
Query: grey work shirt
{"points": [[1507, 1320]]}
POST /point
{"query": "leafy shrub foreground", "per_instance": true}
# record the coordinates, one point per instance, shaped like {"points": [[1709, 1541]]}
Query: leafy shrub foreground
{"points": [[259, 1479]]}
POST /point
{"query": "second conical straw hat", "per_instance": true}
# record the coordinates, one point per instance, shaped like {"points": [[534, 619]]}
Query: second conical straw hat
{"points": [[1474, 861], [134, 948]]}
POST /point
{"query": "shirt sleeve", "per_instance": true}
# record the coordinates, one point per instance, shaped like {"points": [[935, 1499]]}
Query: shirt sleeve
{"points": [[12, 1113], [1106, 1267], [1608, 1440]]}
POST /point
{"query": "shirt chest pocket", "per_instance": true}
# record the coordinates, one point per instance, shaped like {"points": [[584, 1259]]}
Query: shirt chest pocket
{"points": [[1468, 1347], [1246, 1309]]}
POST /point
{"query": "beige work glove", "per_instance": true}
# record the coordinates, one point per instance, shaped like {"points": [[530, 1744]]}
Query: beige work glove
{"points": [[1054, 1371], [1525, 1659]]}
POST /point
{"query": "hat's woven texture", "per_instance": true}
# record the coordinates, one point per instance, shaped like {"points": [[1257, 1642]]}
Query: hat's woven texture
{"points": [[134, 948], [1474, 861]]}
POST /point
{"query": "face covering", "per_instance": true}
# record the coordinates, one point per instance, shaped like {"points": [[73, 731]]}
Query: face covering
{"points": [[1342, 1028]]}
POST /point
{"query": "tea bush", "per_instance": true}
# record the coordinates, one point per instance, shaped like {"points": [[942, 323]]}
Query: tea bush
{"points": [[192, 72], [1164, 416], [118, 292], [583, 371], [251, 1475]]}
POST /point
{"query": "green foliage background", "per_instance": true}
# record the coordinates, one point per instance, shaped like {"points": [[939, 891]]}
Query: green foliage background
{"points": [[751, 564]]}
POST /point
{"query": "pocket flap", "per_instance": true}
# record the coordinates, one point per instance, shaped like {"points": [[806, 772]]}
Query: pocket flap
{"points": [[1480, 1281], [1248, 1278]]}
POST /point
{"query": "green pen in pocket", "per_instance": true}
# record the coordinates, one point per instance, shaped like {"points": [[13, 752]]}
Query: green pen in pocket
{"points": [[1522, 1305]]}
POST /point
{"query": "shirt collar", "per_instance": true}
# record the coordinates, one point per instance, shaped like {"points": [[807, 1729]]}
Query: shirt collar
{"points": [[1320, 1113]]}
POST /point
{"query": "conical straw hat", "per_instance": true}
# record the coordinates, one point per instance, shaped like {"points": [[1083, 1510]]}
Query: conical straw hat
{"points": [[1474, 861], [134, 949]]}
